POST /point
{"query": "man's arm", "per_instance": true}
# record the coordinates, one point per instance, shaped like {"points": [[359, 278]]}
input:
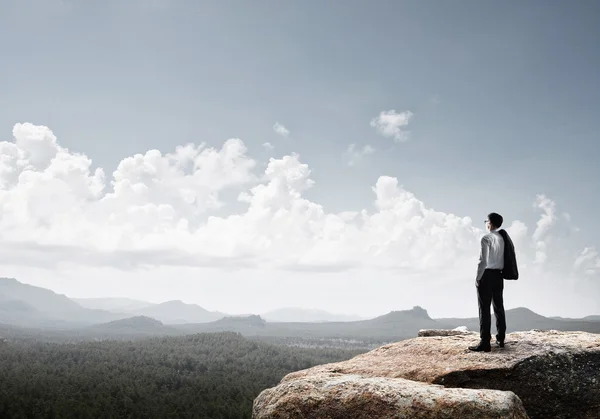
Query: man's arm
{"points": [[483, 258]]}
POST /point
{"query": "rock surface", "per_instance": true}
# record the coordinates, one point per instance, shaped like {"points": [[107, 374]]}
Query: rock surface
{"points": [[443, 332], [337, 396], [555, 374]]}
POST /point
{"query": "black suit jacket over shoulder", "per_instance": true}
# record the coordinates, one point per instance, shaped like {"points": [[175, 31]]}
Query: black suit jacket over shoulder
{"points": [[510, 270]]}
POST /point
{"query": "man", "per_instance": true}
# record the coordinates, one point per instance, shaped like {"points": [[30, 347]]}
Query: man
{"points": [[490, 284]]}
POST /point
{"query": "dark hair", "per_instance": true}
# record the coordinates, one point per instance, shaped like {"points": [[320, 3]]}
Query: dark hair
{"points": [[495, 219]]}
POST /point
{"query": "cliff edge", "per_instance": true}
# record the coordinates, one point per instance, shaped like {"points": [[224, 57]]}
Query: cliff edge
{"points": [[539, 374]]}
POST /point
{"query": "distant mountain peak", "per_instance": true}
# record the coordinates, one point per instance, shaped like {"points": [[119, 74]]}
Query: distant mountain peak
{"points": [[416, 313], [177, 312], [524, 312], [420, 312], [42, 299], [176, 303], [137, 321]]}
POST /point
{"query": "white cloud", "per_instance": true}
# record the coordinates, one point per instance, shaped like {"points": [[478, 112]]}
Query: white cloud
{"points": [[549, 222], [160, 210], [50, 195], [588, 262], [268, 146], [392, 124], [281, 130], [548, 218], [354, 155]]}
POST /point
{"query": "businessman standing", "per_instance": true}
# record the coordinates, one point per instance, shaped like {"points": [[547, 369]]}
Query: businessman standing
{"points": [[490, 283]]}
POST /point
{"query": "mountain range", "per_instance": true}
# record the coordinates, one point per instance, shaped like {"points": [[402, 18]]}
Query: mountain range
{"points": [[115, 305], [27, 305], [37, 312], [42, 307]]}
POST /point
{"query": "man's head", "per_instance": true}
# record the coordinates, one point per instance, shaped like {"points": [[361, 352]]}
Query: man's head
{"points": [[493, 221]]}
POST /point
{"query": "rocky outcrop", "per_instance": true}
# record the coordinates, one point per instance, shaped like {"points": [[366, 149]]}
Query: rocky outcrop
{"points": [[349, 396], [554, 374], [444, 332]]}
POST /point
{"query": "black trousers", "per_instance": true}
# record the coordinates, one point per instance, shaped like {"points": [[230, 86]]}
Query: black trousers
{"points": [[489, 291]]}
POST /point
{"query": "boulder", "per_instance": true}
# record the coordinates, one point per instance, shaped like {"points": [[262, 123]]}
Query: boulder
{"points": [[555, 374], [351, 396]]}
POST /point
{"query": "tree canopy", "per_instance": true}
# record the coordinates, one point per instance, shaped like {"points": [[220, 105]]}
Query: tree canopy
{"points": [[210, 375]]}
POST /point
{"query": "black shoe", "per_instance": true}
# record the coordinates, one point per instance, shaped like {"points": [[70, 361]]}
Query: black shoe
{"points": [[481, 347], [500, 343]]}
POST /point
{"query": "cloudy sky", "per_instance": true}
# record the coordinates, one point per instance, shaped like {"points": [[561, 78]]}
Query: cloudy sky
{"points": [[340, 155]]}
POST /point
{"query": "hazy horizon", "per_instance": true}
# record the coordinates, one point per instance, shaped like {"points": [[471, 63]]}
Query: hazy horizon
{"points": [[262, 312], [252, 157]]}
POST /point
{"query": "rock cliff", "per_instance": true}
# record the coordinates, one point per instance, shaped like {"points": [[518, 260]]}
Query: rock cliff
{"points": [[539, 374]]}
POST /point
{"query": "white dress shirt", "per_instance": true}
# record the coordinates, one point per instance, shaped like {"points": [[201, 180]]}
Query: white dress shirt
{"points": [[492, 253]]}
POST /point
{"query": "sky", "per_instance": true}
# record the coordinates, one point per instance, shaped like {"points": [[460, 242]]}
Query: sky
{"points": [[337, 155]]}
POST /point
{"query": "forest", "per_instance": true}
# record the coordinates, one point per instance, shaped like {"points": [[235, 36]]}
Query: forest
{"points": [[208, 375]]}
